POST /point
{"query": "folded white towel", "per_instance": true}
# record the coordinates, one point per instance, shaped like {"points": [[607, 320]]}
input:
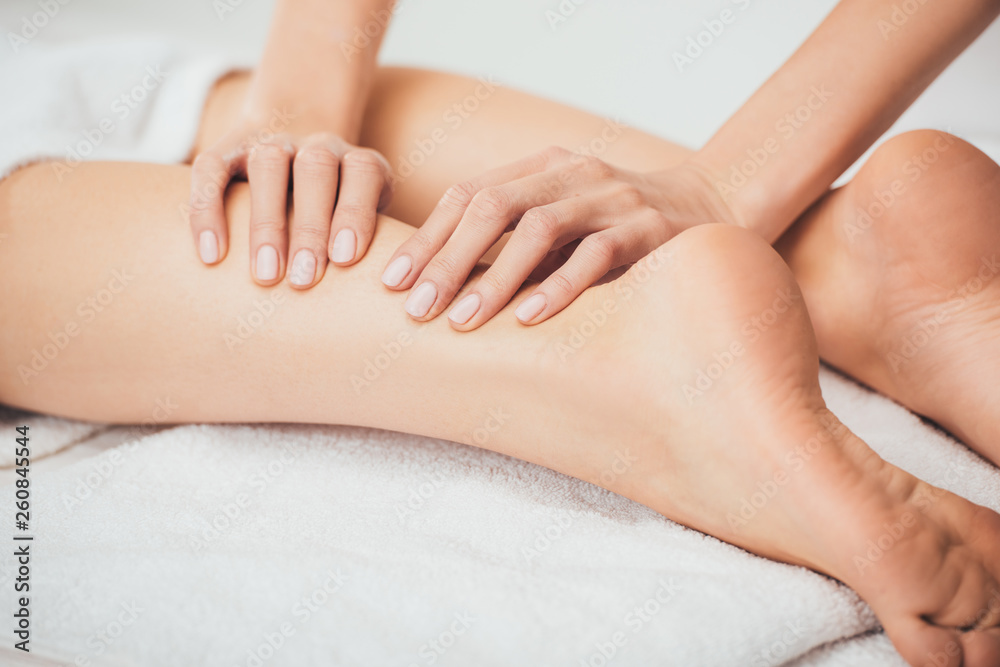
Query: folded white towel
{"points": [[206, 545], [134, 99]]}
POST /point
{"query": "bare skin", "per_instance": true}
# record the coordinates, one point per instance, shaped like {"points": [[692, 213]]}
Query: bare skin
{"points": [[696, 456]]}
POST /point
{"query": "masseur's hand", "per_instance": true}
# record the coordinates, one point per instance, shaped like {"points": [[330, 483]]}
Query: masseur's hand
{"points": [[337, 188], [549, 200]]}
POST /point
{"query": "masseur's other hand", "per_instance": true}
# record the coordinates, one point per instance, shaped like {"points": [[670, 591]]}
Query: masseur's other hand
{"points": [[337, 188], [549, 200]]}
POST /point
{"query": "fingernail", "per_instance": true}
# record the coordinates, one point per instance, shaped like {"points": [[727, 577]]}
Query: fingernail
{"points": [[267, 263], [208, 247], [345, 245], [303, 268], [465, 309], [530, 308], [421, 299], [397, 270]]}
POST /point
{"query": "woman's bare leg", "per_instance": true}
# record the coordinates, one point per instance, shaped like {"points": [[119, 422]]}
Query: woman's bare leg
{"points": [[689, 385], [899, 267]]}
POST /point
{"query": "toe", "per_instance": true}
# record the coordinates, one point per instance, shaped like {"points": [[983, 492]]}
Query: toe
{"points": [[924, 645], [981, 648]]}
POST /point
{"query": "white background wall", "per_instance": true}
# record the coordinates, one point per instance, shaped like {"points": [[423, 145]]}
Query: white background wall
{"points": [[613, 57]]}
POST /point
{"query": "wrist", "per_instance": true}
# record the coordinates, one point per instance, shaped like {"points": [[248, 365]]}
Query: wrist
{"points": [[689, 197], [338, 109]]}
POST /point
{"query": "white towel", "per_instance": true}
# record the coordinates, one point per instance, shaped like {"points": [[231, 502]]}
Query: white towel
{"points": [[214, 538], [135, 99]]}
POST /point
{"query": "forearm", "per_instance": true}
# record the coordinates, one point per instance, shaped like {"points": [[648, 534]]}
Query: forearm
{"points": [[326, 47], [841, 90]]}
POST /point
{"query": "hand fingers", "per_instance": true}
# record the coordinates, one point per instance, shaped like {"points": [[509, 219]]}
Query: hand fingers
{"points": [[531, 243], [268, 171], [210, 175], [595, 256], [484, 222], [364, 179], [410, 258], [315, 173]]}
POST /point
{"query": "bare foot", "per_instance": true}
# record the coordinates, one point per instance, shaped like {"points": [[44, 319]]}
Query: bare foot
{"points": [[710, 377], [901, 273]]}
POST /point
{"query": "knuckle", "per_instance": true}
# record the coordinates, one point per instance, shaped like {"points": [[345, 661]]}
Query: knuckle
{"points": [[496, 282], [200, 205], [311, 236], [420, 245], [459, 195], [354, 211], [555, 153], [655, 219], [207, 163], [365, 160], [491, 203], [315, 158], [595, 167], [268, 156], [600, 249], [325, 138], [540, 224], [446, 270], [559, 282], [268, 226], [630, 195]]}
